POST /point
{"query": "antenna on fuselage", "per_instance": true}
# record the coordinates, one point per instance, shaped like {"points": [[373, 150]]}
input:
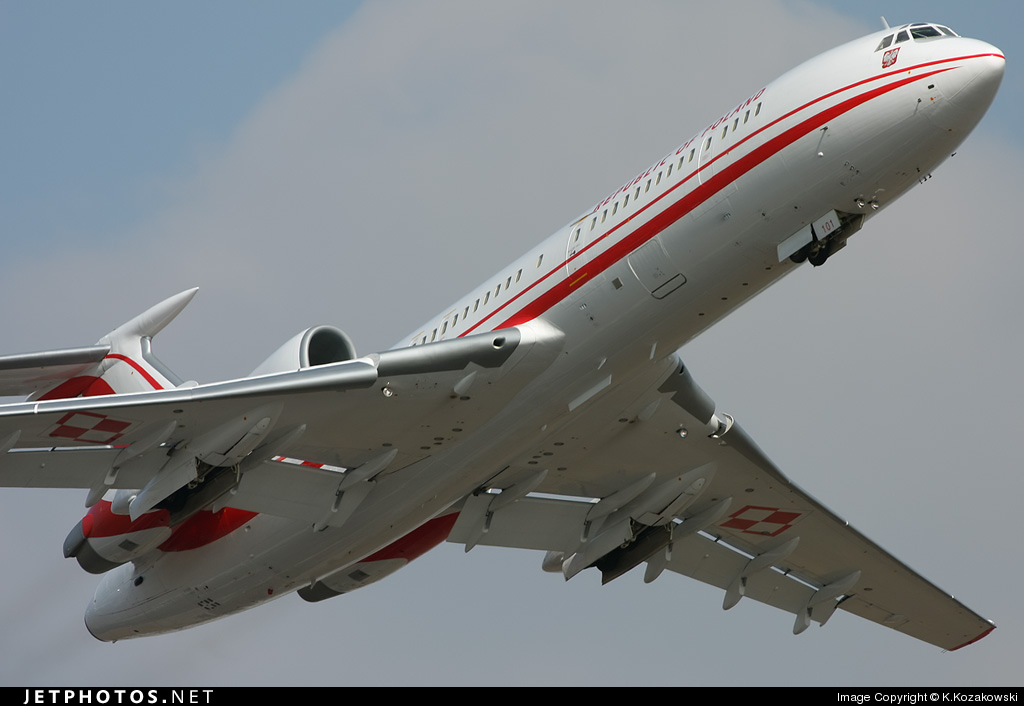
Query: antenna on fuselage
{"points": [[884, 23]]}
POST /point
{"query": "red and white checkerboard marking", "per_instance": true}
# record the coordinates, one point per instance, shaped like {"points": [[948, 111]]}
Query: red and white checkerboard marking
{"points": [[90, 427], [762, 521]]}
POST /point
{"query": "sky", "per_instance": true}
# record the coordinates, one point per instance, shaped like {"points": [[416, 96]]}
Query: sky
{"points": [[363, 165]]}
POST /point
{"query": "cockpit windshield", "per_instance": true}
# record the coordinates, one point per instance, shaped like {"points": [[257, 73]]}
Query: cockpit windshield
{"points": [[918, 33]]}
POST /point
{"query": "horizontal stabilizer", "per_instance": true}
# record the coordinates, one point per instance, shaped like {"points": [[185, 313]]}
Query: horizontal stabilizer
{"points": [[25, 373], [153, 320]]}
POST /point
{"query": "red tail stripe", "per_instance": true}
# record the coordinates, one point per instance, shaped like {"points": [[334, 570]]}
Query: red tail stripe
{"points": [[142, 371]]}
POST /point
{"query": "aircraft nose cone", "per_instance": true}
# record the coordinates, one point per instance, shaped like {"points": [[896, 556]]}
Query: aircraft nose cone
{"points": [[982, 74], [969, 86]]}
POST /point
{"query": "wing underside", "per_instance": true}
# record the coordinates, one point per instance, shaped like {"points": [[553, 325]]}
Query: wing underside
{"points": [[667, 481], [383, 413], [645, 472]]}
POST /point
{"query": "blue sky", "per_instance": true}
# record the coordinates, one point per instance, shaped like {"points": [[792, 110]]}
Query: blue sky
{"points": [[105, 102], [346, 164]]}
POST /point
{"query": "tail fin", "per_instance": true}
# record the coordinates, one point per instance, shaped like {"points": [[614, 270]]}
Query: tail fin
{"points": [[129, 364]]}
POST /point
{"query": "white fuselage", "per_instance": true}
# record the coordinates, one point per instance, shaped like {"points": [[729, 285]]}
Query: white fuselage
{"points": [[650, 267]]}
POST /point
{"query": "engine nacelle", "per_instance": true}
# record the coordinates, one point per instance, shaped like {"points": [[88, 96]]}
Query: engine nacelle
{"points": [[104, 538], [362, 574], [382, 563], [319, 345]]}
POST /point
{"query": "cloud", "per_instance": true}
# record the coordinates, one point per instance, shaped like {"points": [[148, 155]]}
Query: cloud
{"points": [[418, 148]]}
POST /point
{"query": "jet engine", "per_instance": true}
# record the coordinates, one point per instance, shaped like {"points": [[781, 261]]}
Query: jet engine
{"points": [[107, 537], [319, 345]]}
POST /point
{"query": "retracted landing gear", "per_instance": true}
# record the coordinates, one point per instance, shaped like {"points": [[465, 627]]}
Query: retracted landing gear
{"points": [[829, 237], [820, 250]]}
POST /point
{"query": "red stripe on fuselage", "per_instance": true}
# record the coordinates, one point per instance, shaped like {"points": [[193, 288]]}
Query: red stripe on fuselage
{"points": [[707, 190], [699, 195], [206, 527]]}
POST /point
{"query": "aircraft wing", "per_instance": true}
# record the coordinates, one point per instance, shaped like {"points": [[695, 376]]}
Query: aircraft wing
{"points": [[647, 471], [375, 415], [654, 452]]}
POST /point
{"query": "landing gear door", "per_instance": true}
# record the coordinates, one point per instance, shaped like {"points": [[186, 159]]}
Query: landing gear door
{"points": [[826, 225]]}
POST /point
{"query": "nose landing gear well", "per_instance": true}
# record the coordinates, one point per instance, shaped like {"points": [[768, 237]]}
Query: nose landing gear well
{"points": [[830, 239]]}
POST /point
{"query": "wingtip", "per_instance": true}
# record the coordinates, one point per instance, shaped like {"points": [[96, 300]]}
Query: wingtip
{"points": [[979, 637]]}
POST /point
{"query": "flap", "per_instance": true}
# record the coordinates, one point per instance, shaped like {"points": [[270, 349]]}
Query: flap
{"points": [[344, 414]]}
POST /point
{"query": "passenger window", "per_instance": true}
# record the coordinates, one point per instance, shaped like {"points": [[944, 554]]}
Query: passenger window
{"points": [[519, 275], [540, 259]]}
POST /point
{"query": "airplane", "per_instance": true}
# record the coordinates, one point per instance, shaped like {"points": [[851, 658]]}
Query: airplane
{"points": [[547, 409]]}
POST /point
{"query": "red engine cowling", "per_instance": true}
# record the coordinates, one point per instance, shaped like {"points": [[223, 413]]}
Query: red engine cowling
{"points": [[105, 539], [383, 563]]}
